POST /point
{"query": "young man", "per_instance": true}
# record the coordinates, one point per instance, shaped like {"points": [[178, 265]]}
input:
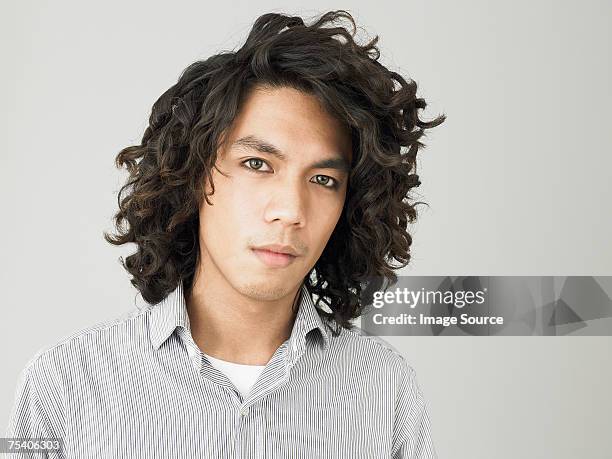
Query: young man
{"points": [[266, 176]]}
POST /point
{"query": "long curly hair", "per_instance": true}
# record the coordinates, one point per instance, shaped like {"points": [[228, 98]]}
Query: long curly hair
{"points": [[159, 204]]}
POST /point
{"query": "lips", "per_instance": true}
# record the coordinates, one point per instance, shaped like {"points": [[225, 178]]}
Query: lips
{"points": [[274, 259], [279, 248]]}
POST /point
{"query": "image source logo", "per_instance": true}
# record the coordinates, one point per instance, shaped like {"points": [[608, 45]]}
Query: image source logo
{"points": [[488, 305]]}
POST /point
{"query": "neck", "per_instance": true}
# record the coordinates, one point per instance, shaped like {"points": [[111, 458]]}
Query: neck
{"points": [[236, 326]]}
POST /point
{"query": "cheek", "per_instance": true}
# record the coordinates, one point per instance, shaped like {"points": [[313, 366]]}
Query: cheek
{"points": [[231, 215], [329, 215], [217, 217], [324, 226]]}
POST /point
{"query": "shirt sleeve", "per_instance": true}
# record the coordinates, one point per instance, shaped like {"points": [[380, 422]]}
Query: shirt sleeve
{"points": [[412, 432], [37, 409]]}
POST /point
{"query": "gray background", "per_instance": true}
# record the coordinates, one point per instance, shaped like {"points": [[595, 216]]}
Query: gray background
{"points": [[518, 182]]}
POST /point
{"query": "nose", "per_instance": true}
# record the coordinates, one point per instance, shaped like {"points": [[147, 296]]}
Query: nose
{"points": [[287, 203]]}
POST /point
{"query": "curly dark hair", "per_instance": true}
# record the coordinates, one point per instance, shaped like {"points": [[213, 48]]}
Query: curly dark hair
{"points": [[160, 201]]}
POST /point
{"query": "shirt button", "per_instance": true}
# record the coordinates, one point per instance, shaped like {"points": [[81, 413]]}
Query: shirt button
{"points": [[244, 412]]}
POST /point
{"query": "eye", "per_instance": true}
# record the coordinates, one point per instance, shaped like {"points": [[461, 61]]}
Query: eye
{"points": [[326, 181], [255, 164]]}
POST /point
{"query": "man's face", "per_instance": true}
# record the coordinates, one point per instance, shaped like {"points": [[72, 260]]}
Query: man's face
{"points": [[268, 199]]}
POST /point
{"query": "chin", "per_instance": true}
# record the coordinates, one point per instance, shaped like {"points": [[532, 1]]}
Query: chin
{"points": [[265, 290]]}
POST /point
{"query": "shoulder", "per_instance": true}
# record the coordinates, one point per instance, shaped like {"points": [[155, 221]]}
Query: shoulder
{"points": [[373, 351], [99, 337], [57, 373]]}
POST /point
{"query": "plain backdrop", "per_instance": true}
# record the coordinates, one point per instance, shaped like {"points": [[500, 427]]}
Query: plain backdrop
{"points": [[517, 180]]}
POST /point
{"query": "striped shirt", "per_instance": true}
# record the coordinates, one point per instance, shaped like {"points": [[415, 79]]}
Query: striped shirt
{"points": [[242, 376], [138, 386]]}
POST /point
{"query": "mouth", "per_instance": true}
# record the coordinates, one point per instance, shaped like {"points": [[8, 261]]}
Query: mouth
{"points": [[274, 259]]}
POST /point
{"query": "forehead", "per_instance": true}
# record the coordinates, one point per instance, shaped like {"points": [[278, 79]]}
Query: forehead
{"points": [[291, 119]]}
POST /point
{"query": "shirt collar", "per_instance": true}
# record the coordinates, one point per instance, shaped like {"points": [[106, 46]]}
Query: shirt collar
{"points": [[306, 320], [167, 315], [171, 313]]}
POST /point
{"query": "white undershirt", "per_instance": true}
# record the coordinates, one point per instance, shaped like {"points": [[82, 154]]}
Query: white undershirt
{"points": [[242, 376]]}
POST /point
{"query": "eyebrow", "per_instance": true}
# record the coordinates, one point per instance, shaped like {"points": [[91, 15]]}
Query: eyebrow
{"points": [[251, 142]]}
